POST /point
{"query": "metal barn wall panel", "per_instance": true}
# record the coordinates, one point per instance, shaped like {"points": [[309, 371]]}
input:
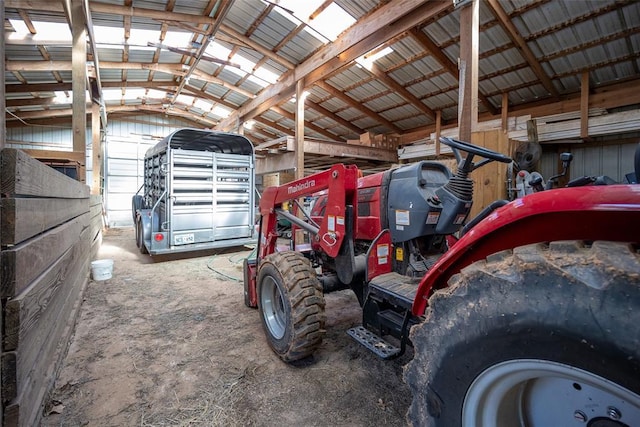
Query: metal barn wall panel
{"points": [[48, 138], [614, 161], [126, 144]]}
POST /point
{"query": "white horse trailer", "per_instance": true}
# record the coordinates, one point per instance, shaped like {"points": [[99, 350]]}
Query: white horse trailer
{"points": [[198, 193]]}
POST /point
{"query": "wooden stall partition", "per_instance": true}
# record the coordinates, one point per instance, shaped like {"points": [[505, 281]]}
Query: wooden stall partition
{"points": [[489, 180], [96, 223], [47, 232]]}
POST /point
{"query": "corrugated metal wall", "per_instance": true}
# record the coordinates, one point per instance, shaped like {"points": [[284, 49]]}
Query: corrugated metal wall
{"points": [[42, 137], [128, 140], [126, 144], [614, 161]]}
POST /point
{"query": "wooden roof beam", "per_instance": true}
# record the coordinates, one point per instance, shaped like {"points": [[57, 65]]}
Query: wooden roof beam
{"points": [[273, 125], [435, 51], [112, 9], [517, 39], [173, 69], [331, 115], [402, 91], [384, 23], [358, 106], [307, 123], [52, 87]]}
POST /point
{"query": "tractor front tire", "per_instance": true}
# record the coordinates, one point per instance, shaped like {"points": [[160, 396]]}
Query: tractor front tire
{"points": [[538, 336], [291, 305]]}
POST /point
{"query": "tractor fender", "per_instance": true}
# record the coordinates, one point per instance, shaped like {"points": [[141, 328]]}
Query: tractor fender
{"points": [[583, 213]]}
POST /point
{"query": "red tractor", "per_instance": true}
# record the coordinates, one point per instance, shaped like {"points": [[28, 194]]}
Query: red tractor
{"points": [[528, 315]]}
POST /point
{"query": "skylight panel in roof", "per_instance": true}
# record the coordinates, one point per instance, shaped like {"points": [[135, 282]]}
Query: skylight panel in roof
{"points": [[156, 94], [185, 99], [367, 60], [179, 39], [326, 26], [301, 9], [139, 38], [19, 26], [315, 34], [266, 75], [216, 50], [244, 63], [45, 31], [134, 93], [203, 104], [220, 111], [257, 81], [62, 97], [110, 36], [52, 31], [332, 21], [111, 94]]}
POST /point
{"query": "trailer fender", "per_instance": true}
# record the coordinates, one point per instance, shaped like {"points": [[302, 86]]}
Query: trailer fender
{"points": [[145, 220], [137, 202], [582, 213]]}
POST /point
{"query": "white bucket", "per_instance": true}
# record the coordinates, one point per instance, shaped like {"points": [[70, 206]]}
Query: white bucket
{"points": [[101, 269]]}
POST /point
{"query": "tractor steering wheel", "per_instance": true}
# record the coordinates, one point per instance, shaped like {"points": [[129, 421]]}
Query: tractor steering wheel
{"points": [[476, 150]]}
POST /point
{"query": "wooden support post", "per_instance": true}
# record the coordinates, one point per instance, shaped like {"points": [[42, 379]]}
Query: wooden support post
{"points": [[79, 78], [96, 143], [299, 150], [3, 103], [3, 134], [468, 67], [438, 129], [584, 106], [505, 112]]}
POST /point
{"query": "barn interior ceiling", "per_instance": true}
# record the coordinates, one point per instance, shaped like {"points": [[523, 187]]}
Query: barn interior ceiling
{"points": [[379, 66]]}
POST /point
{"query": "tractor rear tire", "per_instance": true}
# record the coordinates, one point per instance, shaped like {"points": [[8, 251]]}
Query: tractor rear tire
{"points": [[291, 305], [541, 335]]}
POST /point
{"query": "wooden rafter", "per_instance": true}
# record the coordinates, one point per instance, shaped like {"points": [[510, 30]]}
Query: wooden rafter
{"points": [[517, 39], [307, 124], [320, 109], [358, 106], [402, 91], [351, 45], [339, 59], [433, 49]]}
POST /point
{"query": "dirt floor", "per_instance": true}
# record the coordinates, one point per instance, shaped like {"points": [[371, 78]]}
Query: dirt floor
{"points": [[168, 341]]}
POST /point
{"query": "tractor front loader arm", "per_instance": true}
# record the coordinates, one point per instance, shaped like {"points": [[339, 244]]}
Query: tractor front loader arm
{"points": [[340, 182]]}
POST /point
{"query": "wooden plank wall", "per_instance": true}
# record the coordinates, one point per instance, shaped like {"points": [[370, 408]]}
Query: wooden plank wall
{"points": [[489, 180], [50, 228]]}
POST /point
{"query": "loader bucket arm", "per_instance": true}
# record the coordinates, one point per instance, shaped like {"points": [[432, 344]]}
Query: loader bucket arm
{"points": [[341, 183]]}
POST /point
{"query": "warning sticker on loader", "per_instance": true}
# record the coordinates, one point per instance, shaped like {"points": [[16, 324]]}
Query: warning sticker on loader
{"points": [[402, 217], [382, 252], [433, 217]]}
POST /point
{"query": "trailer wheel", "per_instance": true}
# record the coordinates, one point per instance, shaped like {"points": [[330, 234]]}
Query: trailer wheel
{"points": [[542, 335], [291, 305], [140, 237]]}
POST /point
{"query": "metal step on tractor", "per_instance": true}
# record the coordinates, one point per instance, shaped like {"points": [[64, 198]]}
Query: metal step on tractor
{"points": [[527, 315]]}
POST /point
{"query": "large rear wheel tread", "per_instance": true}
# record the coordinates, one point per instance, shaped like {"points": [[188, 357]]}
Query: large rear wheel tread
{"points": [[562, 305]]}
